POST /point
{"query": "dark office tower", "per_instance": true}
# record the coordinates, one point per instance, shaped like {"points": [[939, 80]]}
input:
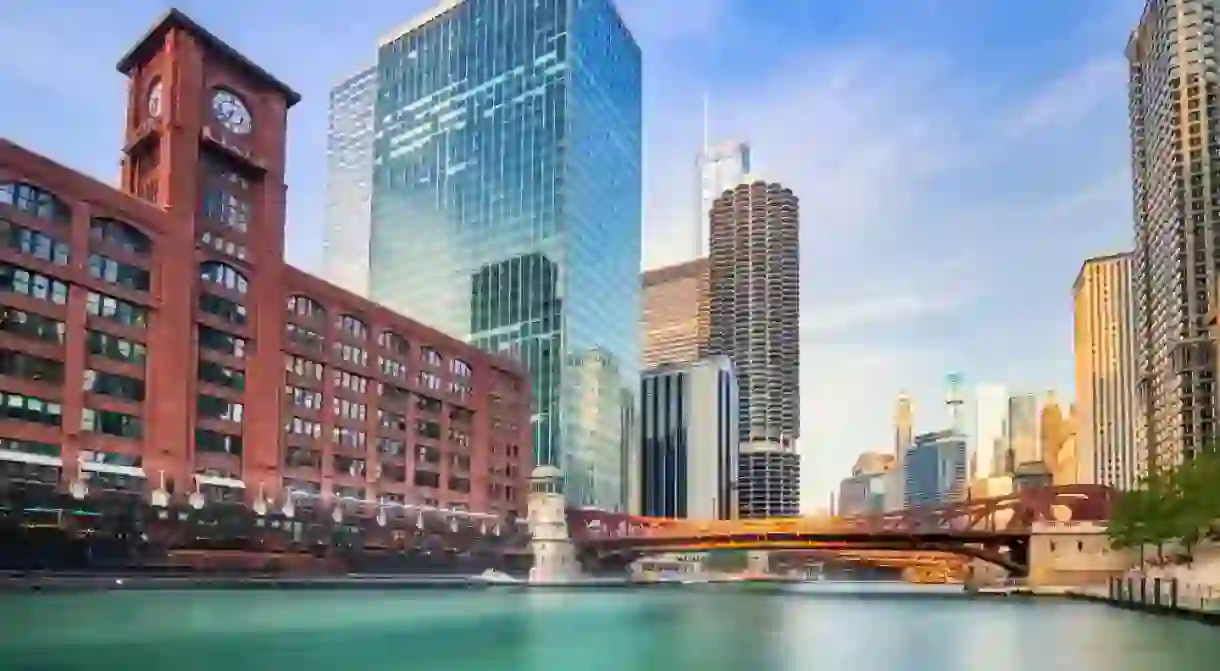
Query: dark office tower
{"points": [[755, 321], [507, 175], [1174, 131]]}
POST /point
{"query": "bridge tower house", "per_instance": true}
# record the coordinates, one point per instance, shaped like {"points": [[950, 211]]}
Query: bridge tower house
{"points": [[554, 556]]}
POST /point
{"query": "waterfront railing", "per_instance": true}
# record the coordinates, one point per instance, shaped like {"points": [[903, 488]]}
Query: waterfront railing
{"points": [[1165, 593]]}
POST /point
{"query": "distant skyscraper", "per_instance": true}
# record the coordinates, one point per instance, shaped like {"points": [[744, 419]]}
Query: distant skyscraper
{"points": [[935, 469], [688, 440], [755, 321], [720, 169], [1053, 430], [954, 400], [1106, 372], [1176, 263], [506, 206], [864, 493], [1022, 436], [349, 182], [676, 313], [990, 411], [904, 427]]}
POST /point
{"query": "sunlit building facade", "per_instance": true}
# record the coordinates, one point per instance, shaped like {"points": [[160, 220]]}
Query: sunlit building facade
{"points": [[1022, 434], [507, 202], [1104, 337], [349, 182], [990, 415]]}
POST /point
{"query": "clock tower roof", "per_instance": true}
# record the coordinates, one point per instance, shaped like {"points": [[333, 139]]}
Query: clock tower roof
{"points": [[175, 19]]}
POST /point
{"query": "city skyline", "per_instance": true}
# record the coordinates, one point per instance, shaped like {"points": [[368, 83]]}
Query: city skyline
{"points": [[1060, 104]]}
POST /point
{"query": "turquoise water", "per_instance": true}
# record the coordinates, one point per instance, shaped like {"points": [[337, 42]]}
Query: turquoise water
{"points": [[701, 628]]}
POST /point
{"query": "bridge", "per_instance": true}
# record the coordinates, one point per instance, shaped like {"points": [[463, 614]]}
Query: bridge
{"points": [[997, 530]]}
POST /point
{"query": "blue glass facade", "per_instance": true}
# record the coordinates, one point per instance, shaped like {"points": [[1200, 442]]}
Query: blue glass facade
{"points": [[935, 469], [506, 208]]}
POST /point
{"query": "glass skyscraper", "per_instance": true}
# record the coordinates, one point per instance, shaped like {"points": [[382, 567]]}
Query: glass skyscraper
{"points": [[349, 181], [507, 203]]}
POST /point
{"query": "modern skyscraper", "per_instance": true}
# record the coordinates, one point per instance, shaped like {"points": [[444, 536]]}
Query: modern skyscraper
{"points": [[720, 168], [688, 440], [954, 401], [349, 182], [676, 313], [990, 411], [1106, 372], [755, 321], [507, 200], [864, 493], [935, 469], [1176, 259], [1022, 436]]}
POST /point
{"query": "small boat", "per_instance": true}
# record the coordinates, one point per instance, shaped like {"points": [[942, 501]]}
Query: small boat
{"points": [[494, 576]]}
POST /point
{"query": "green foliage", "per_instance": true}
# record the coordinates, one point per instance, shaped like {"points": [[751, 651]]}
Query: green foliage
{"points": [[1180, 503]]}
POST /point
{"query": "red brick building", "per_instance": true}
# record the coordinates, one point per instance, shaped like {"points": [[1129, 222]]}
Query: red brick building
{"points": [[153, 340]]}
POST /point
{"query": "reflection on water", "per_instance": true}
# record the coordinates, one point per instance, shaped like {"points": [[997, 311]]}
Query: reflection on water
{"points": [[704, 628]]}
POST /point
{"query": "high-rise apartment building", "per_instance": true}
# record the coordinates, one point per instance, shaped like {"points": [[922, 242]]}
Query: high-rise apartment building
{"points": [[755, 321], [688, 440], [349, 182], [1106, 372], [1176, 260], [676, 318], [990, 412], [1022, 437], [904, 427], [720, 168], [507, 203]]}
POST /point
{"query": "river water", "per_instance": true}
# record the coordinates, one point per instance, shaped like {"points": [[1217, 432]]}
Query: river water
{"points": [[687, 628]]}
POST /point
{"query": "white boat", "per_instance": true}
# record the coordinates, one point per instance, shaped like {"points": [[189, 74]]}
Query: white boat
{"points": [[494, 576]]}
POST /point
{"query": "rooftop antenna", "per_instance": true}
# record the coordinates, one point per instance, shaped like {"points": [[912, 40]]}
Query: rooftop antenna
{"points": [[706, 134]]}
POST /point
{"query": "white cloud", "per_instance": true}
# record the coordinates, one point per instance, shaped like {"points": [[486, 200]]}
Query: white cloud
{"points": [[1070, 98]]}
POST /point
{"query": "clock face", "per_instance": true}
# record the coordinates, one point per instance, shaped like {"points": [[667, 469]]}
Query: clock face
{"points": [[154, 100], [230, 111]]}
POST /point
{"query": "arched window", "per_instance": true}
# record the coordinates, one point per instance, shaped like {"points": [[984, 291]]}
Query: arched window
{"points": [[353, 326], [35, 201], [304, 306], [392, 342], [459, 368], [104, 230], [225, 275], [430, 356]]}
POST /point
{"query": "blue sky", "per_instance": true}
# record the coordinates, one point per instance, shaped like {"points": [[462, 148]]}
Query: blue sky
{"points": [[956, 161]]}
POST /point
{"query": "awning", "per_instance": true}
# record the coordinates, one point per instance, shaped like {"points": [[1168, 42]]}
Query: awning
{"points": [[28, 458], [217, 481], [115, 469]]}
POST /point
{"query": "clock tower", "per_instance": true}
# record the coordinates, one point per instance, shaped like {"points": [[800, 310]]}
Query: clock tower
{"points": [[205, 141]]}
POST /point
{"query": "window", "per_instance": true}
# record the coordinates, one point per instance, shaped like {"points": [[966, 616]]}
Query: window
{"points": [[219, 341], [111, 423], [117, 310], [224, 275], [351, 354], [33, 243], [429, 380], [344, 436], [216, 442], [30, 367], [305, 306], [304, 337], [303, 427], [459, 368], [353, 327], [393, 342], [106, 232], [21, 281], [115, 348], [392, 420], [391, 447], [220, 375], [31, 325], [230, 311], [35, 201], [427, 428], [223, 245], [430, 356], [223, 206], [351, 381], [110, 384], [302, 457], [459, 484], [303, 367], [427, 479], [347, 465], [392, 368], [213, 407], [350, 409], [22, 408], [116, 272], [305, 398]]}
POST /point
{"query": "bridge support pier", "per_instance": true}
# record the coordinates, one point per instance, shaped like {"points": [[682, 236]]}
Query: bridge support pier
{"points": [[1073, 554]]}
